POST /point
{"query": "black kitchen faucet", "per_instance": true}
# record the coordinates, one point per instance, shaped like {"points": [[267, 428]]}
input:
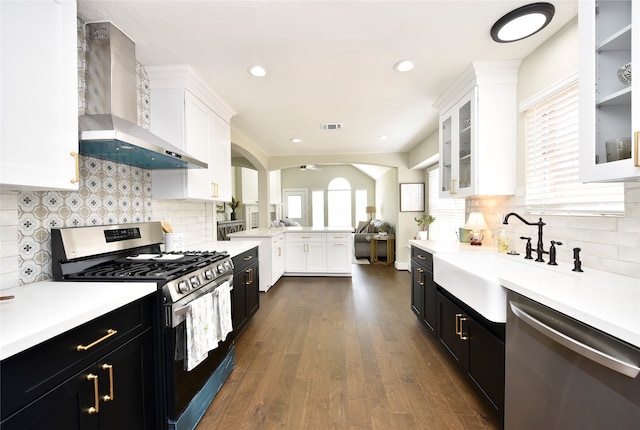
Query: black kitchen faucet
{"points": [[539, 248]]}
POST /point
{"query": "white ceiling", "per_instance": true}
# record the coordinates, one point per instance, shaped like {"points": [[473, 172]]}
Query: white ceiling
{"points": [[328, 61]]}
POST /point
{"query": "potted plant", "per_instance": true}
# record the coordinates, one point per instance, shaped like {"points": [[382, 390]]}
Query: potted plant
{"points": [[234, 205], [423, 226]]}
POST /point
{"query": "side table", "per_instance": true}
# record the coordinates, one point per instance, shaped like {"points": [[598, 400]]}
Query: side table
{"points": [[374, 249]]}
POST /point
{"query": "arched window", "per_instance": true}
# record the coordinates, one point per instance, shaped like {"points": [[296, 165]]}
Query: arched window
{"points": [[339, 203]]}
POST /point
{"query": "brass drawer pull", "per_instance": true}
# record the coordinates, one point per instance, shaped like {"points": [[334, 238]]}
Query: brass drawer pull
{"points": [[637, 157], [108, 397], [421, 257], [110, 333], [96, 401], [75, 157], [247, 258]]}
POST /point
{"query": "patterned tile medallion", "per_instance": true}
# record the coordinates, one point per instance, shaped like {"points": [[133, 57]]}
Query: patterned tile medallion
{"points": [[123, 197]]}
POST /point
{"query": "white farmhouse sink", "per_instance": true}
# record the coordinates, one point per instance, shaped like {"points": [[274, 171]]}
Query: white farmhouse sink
{"points": [[476, 278]]}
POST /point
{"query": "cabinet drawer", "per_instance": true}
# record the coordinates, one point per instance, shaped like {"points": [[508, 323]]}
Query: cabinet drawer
{"points": [[242, 260], [32, 373], [421, 257], [306, 237], [339, 237], [277, 240]]}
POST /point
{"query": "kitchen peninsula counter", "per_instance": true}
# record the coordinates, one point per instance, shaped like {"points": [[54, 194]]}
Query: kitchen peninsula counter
{"points": [[43, 310]]}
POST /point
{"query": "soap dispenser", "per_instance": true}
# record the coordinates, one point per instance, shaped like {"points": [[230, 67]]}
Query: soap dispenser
{"points": [[503, 242]]}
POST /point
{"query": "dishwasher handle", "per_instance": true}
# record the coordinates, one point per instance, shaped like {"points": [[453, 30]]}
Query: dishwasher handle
{"points": [[600, 357]]}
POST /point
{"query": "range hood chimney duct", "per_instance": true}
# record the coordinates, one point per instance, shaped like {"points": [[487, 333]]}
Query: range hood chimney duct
{"points": [[108, 130]]}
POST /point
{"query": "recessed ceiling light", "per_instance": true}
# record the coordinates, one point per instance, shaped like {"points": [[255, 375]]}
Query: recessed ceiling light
{"points": [[404, 65], [383, 137], [296, 140], [522, 22], [258, 71]]}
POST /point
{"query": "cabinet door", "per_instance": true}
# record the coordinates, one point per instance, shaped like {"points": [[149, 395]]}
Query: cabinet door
{"points": [[220, 165], [66, 406], [277, 258], [39, 133], [449, 332], [608, 107], [238, 301], [339, 257], [252, 282], [130, 383], [457, 146], [275, 187], [486, 362], [417, 289], [249, 186], [296, 257], [198, 131], [430, 313], [316, 257]]}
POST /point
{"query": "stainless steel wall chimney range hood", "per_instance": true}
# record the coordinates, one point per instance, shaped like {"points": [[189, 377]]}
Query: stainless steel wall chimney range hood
{"points": [[108, 129]]}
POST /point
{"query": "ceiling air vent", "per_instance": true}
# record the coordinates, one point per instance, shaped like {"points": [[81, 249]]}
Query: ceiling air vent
{"points": [[331, 126]]}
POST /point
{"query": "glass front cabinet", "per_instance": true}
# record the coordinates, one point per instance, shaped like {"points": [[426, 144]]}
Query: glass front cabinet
{"points": [[478, 131], [609, 108]]}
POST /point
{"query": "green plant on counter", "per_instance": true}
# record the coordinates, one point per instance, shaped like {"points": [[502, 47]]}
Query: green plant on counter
{"points": [[424, 221], [234, 204]]}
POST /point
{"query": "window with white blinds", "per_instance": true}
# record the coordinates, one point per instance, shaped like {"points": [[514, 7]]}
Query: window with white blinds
{"points": [[551, 140], [449, 213]]}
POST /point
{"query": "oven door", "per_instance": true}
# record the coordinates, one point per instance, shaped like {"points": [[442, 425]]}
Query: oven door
{"points": [[183, 385]]}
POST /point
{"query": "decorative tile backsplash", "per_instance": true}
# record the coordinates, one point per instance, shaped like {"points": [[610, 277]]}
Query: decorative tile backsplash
{"points": [[109, 193]]}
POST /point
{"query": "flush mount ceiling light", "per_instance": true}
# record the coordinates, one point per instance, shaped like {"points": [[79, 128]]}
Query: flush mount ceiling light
{"points": [[383, 137], [296, 140], [257, 71], [522, 22], [404, 66]]}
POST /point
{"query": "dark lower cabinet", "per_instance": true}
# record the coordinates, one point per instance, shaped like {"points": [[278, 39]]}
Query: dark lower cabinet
{"points": [[476, 346], [423, 289], [113, 388], [245, 298]]}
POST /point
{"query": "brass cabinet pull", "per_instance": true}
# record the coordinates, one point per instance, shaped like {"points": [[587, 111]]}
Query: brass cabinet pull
{"points": [[76, 158], [279, 251], [637, 157], [421, 257], [110, 333], [108, 397], [96, 400], [462, 335], [249, 277], [452, 186], [214, 189], [248, 257], [419, 278]]}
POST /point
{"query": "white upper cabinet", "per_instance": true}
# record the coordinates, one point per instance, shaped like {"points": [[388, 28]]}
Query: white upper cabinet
{"points": [[478, 115], [275, 187], [39, 132], [187, 114], [249, 186], [609, 109]]}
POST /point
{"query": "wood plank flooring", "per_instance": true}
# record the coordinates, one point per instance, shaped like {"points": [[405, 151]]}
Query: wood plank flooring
{"points": [[343, 353]]}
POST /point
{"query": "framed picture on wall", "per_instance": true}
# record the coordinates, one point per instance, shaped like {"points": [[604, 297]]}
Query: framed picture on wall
{"points": [[412, 197], [220, 206]]}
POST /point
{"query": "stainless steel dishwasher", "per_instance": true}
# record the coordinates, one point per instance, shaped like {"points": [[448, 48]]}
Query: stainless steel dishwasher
{"points": [[563, 374]]}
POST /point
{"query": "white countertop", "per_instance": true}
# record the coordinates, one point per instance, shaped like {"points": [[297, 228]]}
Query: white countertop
{"points": [[232, 247], [273, 231], [43, 310], [604, 300]]}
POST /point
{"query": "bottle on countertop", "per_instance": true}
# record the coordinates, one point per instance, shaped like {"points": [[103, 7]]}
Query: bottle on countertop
{"points": [[503, 242]]}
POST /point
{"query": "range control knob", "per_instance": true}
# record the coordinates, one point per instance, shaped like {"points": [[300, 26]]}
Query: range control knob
{"points": [[208, 274], [221, 268], [195, 281], [183, 286]]}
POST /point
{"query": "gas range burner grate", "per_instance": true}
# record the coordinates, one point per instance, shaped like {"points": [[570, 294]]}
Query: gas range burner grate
{"points": [[150, 266]]}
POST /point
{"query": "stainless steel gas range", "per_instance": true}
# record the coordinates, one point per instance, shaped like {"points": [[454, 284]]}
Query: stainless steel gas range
{"points": [[193, 298]]}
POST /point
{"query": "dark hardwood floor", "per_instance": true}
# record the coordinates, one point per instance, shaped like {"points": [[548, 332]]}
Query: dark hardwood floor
{"points": [[343, 353]]}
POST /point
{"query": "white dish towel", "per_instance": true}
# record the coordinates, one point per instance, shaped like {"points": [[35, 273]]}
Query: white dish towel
{"points": [[202, 330], [224, 309]]}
